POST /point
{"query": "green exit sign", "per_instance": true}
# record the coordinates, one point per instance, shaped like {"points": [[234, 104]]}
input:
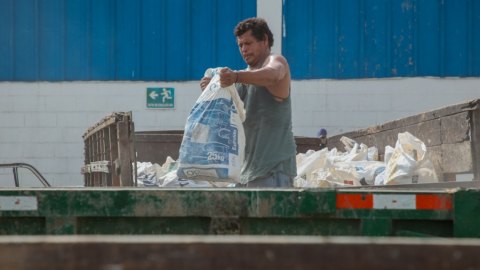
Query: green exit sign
{"points": [[161, 98]]}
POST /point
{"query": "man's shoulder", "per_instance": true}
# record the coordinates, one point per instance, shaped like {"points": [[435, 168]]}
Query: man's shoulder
{"points": [[275, 57]]}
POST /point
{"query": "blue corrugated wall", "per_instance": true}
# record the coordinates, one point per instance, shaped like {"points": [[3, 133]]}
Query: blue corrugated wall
{"points": [[342, 39], [67, 40]]}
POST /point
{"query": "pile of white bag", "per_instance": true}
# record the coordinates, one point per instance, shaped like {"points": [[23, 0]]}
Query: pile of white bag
{"points": [[154, 175], [407, 163]]}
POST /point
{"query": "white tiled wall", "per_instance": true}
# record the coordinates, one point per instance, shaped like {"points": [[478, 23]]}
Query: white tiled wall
{"points": [[42, 123]]}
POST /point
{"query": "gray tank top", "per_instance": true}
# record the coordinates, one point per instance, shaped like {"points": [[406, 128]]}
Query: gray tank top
{"points": [[270, 146]]}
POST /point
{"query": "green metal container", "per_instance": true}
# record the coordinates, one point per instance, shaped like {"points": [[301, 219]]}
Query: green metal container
{"points": [[83, 211]]}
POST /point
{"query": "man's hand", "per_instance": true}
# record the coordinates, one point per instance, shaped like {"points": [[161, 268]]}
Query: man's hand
{"points": [[227, 77], [204, 82]]}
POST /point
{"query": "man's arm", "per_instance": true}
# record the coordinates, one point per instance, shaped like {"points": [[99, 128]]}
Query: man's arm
{"points": [[274, 70]]}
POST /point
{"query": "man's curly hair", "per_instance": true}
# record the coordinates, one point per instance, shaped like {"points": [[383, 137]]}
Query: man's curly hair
{"points": [[259, 28]]}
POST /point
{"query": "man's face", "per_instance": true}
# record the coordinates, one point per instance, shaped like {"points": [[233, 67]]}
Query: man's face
{"points": [[250, 48]]}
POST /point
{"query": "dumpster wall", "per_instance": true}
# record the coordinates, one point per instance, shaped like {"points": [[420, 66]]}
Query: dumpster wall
{"points": [[366, 212]]}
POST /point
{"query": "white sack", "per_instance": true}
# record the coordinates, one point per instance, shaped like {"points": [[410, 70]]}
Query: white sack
{"points": [[367, 169], [214, 141], [310, 164], [299, 158], [388, 153], [336, 173], [309, 153], [171, 180], [158, 170], [380, 179], [145, 178], [167, 163], [402, 168], [372, 154], [349, 143], [357, 153], [324, 184], [343, 173]]}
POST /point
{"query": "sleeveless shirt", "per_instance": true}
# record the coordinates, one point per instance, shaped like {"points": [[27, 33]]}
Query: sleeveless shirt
{"points": [[270, 146]]}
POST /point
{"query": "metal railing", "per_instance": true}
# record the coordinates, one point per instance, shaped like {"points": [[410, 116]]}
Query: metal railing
{"points": [[15, 167]]}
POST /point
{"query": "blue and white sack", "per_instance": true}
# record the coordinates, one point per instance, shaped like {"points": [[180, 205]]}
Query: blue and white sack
{"points": [[213, 145]]}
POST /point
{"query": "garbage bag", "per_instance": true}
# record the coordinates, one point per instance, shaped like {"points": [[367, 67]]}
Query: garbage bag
{"points": [[409, 164], [214, 141]]}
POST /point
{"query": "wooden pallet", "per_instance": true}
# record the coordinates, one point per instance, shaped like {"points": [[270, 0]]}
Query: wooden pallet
{"points": [[110, 152]]}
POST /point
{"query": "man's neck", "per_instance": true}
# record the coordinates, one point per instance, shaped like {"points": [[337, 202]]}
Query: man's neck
{"points": [[260, 61]]}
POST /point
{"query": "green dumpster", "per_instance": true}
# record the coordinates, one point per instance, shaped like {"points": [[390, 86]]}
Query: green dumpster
{"points": [[327, 212]]}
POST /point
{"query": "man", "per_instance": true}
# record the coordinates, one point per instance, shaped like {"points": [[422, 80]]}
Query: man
{"points": [[322, 134], [265, 90]]}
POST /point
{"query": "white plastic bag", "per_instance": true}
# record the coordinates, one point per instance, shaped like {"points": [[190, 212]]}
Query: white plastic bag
{"points": [[380, 179], [367, 170], [301, 157], [167, 163], [310, 164], [340, 173], [146, 177], [357, 153], [349, 143], [403, 168], [214, 141], [171, 180], [343, 173], [388, 153], [372, 154]]}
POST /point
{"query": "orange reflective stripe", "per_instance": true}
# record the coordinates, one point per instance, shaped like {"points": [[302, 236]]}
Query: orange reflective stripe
{"points": [[357, 201], [421, 202], [431, 202]]}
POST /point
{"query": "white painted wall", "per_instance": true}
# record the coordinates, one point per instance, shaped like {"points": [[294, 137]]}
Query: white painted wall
{"points": [[271, 11], [42, 123]]}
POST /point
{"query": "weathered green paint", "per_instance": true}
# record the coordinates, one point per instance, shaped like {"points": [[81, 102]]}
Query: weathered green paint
{"points": [[171, 202], [433, 228], [317, 201], [22, 225], [296, 226], [395, 214], [143, 225], [229, 211], [376, 226], [466, 205]]}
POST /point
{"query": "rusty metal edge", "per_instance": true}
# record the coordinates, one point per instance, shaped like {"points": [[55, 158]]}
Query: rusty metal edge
{"points": [[104, 122], [235, 239]]}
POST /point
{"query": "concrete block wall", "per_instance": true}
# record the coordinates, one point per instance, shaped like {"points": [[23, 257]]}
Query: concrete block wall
{"points": [[345, 105], [42, 123]]}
